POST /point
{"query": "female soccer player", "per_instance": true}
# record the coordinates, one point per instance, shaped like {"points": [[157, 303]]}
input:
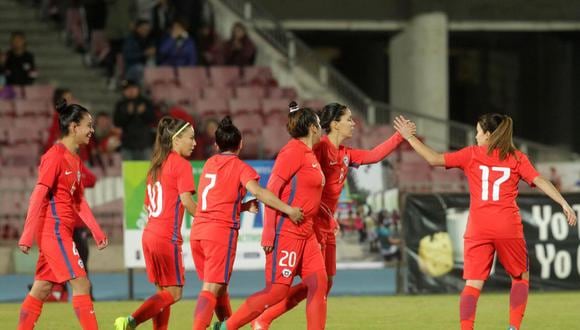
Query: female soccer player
{"points": [[335, 159], [493, 168], [214, 233], [56, 202], [170, 186], [291, 248]]}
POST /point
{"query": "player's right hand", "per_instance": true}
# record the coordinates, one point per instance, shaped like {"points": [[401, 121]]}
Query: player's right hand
{"points": [[103, 244], [268, 249], [296, 215], [25, 249], [570, 214]]}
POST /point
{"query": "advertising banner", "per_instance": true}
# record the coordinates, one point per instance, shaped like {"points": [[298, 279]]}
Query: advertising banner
{"points": [[433, 230]]}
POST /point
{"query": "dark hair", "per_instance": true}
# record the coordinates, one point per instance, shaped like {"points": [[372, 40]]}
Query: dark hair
{"points": [[15, 34], [300, 120], [69, 113], [182, 21], [331, 112], [166, 128], [59, 94], [227, 136], [102, 114], [501, 129], [141, 21]]}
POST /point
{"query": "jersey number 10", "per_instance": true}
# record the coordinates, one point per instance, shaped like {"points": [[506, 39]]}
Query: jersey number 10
{"points": [[485, 181]]}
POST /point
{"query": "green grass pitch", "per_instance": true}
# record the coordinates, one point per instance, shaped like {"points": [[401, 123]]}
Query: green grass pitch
{"points": [[545, 311]]}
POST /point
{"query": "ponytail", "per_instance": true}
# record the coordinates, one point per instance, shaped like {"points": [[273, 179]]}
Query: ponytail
{"points": [[167, 129], [501, 134]]}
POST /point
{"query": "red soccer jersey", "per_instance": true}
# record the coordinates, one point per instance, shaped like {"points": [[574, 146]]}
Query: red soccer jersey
{"points": [[162, 198], [335, 163], [223, 186], [493, 188], [296, 179], [60, 171]]}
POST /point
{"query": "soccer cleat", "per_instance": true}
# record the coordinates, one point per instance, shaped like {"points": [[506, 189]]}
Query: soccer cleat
{"points": [[124, 323], [512, 328], [257, 325]]}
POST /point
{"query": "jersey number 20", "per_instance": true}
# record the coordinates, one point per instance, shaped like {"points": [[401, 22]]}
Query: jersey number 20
{"points": [[485, 181]]}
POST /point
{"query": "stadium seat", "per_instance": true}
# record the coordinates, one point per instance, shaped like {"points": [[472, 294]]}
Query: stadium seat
{"points": [[38, 92], [159, 75], [251, 148], [6, 108], [248, 122], [258, 75], [274, 106], [32, 107], [250, 92], [273, 139], [192, 77], [238, 106], [286, 93], [217, 92], [211, 107], [315, 105], [224, 75]]}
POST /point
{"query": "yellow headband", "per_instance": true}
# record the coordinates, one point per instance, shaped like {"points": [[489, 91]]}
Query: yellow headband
{"points": [[179, 131]]}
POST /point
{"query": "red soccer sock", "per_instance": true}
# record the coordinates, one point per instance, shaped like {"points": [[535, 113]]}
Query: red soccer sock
{"points": [[206, 302], [29, 312], [161, 320], [295, 295], [467, 307], [256, 304], [316, 300], [223, 308], [83, 306], [518, 301], [152, 306]]}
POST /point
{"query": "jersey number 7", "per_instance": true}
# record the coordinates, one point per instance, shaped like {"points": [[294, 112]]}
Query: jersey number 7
{"points": [[485, 181], [212, 179]]}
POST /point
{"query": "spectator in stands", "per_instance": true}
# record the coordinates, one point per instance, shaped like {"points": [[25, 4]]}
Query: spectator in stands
{"points": [[371, 229], [120, 14], [239, 50], [390, 242], [177, 48], [138, 51], [210, 46], [134, 115], [162, 14], [107, 137], [6, 91], [359, 225], [206, 146], [19, 67]]}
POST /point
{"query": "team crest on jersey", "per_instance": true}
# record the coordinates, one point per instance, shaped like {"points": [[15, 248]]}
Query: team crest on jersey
{"points": [[286, 273], [345, 160], [81, 264]]}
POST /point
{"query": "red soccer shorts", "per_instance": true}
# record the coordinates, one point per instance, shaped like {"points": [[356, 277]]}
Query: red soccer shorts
{"points": [[214, 261], [58, 259], [163, 261], [293, 257], [478, 257]]}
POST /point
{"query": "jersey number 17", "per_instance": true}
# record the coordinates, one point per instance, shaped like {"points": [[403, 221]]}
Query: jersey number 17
{"points": [[485, 181]]}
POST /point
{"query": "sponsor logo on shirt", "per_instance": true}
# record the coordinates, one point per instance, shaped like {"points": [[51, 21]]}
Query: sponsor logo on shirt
{"points": [[67, 172], [345, 160], [81, 264], [314, 165], [332, 163], [286, 273]]}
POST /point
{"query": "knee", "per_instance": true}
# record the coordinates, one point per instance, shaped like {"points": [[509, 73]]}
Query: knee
{"points": [[316, 282], [41, 290], [81, 285], [176, 293]]}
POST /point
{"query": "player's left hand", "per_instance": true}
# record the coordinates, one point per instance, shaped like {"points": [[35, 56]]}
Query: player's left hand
{"points": [[268, 249], [570, 214], [103, 244], [336, 228], [252, 206], [24, 249]]}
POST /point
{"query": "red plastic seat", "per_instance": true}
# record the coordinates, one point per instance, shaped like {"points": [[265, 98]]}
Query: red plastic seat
{"points": [[212, 107], [238, 106], [195, 77], [250, 92], [159, 75], [38, 92], [217, 92], [224, 75]]}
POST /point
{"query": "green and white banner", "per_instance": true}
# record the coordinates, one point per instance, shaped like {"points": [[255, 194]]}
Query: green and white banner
{"points": [[249, 253]]}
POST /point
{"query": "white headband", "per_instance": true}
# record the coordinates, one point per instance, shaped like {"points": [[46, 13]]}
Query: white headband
{"points": [[294, 108], [179, 130]]}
